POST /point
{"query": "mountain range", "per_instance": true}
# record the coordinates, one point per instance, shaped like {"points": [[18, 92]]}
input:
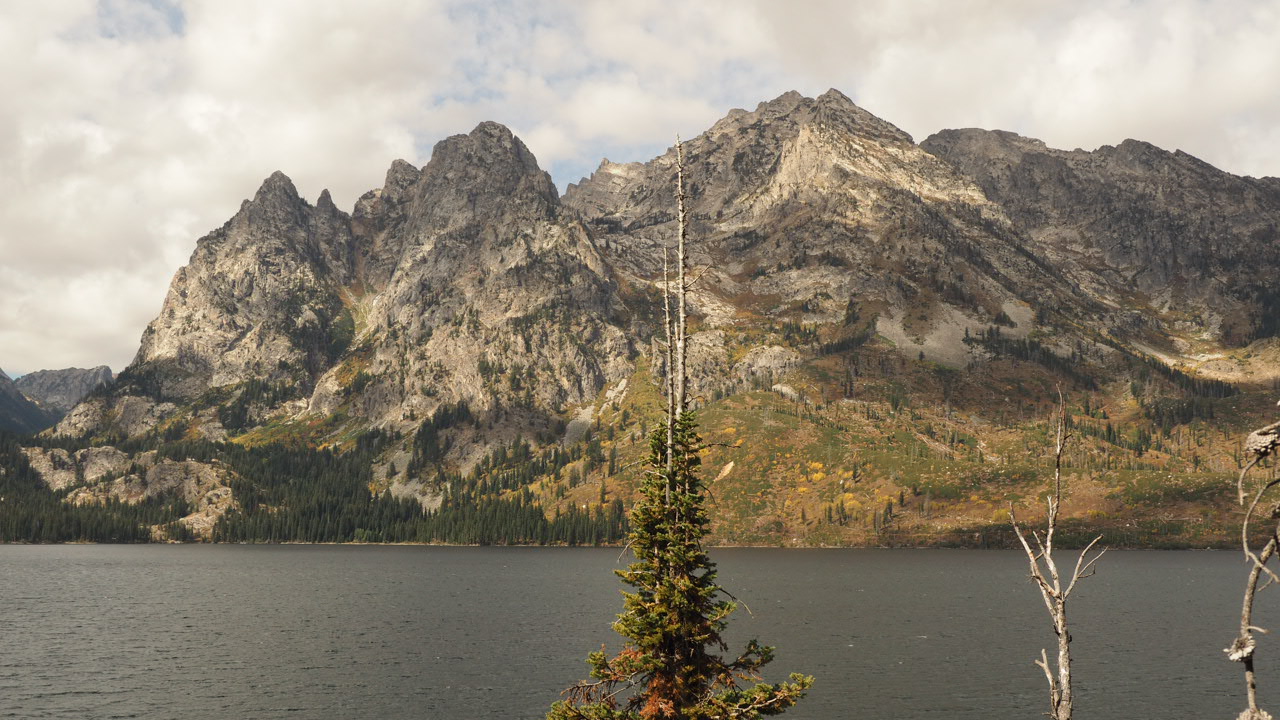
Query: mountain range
{"points": [[887, 315], [37, 400], [18, 413]]}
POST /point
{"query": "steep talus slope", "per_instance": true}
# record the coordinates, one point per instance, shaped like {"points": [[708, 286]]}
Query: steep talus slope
{"points": [[1159, 233], [60, 390], [17, 412], [805, 208]]}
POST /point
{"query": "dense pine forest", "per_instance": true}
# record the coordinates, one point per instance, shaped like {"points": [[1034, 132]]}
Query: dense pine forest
{"points": [[293, 494]]}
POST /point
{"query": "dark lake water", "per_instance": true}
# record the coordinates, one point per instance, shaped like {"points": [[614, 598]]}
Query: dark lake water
{"points": [[426, 632]]}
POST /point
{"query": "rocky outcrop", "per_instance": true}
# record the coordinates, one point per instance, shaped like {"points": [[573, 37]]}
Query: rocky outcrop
{"points": [[18, 413], [60, 390], [817, 227], [464, 281], [1140, 228], [814, 210], [260, 298], [263, 299], [97, 475], [498, 297]]}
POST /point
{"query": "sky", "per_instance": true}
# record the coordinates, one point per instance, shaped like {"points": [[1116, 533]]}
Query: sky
{"points": [[131, 128]]}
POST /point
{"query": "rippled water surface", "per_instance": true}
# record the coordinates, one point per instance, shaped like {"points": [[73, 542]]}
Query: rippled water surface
{"points": [[427, 632]]}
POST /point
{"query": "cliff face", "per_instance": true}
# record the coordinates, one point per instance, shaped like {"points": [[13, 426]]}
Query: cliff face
{"points": [[262, 299], [807, 208], [838, 267], [495, 296], [17, 413], [60, 390], [1138, 227], [464, 281], [815, 223]]}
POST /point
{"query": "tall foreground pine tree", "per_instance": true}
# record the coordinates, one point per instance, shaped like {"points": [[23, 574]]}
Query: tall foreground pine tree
{"points": [[671, 667]]}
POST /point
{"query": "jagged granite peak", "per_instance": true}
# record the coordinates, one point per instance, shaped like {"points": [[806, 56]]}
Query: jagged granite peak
{"points": [[462, 281], [1188, 238], [376, 221], [476, 267], [60, 390], [261, 298], [745, 150], [325, 203], [276, 184], [487, 176], [18, 413], [484, 173], [817, 204], [400, 177]]}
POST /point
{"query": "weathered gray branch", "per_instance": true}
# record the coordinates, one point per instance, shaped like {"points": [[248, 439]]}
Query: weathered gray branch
{"points": [[1260, 443], [1045, 574]]}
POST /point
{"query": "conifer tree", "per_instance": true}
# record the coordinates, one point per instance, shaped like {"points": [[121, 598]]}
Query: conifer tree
{"points": [[671, 667]]}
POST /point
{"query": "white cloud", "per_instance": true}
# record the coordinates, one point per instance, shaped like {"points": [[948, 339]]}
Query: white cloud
{"points": [[129, 128]]}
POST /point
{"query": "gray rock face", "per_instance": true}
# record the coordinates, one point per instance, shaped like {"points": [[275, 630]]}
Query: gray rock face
{"points": [[60, 390], [498, 296], [463, 281], [1138, 226], [470, 280], [804, 208], [100, 474], [17, 412], [262, 298]]}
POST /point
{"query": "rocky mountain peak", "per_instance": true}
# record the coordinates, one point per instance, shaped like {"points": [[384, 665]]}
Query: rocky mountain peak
{"points": [[401, 176], [60, 390], [784, 104], [786, 114], [277, 186], [325, 202], [490, 156], [17, 412], [885, 223], [1135, 218], [751, 163], [485, 178], [276, 209], [836, 108], [975, 143]]}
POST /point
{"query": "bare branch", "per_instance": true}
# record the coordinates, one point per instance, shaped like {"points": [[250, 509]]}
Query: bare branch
{"points": [[1261, 443], [1243, 471], [694, 281], [1044, 573], [1084, 569]]}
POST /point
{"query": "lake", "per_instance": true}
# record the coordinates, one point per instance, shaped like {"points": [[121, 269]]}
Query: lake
{"points": [[162, 631]]}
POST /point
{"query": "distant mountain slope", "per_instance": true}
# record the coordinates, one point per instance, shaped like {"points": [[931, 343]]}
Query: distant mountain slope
{"points": [[18, 413], [60, 390], [880, 328], [470, 281], [813, 210], [1150, 231], [462, 282]]}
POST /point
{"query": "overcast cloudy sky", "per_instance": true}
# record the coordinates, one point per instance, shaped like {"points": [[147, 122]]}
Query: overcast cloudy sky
{"points": [[129, 128]]}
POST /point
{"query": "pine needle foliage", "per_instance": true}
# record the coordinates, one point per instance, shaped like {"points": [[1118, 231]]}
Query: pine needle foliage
{"points": [[671, 666]]}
